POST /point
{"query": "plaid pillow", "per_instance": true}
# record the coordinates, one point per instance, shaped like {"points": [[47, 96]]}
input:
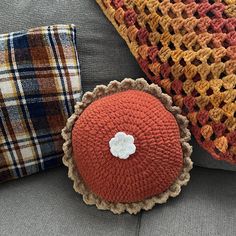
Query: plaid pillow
{"points": [[39, 85]]}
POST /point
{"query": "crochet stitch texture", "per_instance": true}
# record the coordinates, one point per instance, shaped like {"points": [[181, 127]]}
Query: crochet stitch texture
{"points": [[188, 47], [154, 166], [153, 173]]}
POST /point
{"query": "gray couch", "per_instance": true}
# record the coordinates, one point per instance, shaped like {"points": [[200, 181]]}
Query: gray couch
{"points": [[45, 203]]}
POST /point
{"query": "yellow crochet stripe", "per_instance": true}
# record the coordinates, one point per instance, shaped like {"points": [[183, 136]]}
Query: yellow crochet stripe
{"points": [[189, 49]]}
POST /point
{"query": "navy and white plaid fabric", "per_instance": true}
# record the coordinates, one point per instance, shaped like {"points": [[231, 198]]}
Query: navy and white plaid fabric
{"points": [[39, 85]]}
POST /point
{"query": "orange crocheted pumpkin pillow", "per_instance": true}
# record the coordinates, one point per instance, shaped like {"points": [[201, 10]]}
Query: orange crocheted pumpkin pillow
{"points": [[126, 145]]}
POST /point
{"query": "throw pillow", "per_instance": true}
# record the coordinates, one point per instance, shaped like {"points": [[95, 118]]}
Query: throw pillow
{"points": [[127, 147], [39, 85]]}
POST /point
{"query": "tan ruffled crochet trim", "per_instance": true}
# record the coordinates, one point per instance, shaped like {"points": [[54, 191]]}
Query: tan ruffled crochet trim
{"points": [[102, 91]]}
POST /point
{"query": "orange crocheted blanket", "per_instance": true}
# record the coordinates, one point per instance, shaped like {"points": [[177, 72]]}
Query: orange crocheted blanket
{"points": [[188, 47]]}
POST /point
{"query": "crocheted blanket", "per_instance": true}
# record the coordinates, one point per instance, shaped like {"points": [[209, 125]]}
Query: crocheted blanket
{"points": [[188, 47]]}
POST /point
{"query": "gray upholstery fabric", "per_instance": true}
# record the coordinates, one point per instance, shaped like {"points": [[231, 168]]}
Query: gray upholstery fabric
{"points": [[207, 206], [103, 54], [46, 204]]}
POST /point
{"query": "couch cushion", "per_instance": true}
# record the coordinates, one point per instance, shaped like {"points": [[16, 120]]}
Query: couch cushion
{"points": [[46, 204], [103, 54], [206, 207]]}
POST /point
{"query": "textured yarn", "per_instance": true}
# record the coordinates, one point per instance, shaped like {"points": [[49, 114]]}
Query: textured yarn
{"points": [[188, 48], [160, 164], [154, 166]]}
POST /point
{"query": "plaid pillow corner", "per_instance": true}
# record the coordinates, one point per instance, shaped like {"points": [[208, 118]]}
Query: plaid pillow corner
{"points": [[39, 85]]}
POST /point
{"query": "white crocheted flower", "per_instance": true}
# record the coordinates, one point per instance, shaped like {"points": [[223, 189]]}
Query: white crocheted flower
{"points": [[122, 145]]}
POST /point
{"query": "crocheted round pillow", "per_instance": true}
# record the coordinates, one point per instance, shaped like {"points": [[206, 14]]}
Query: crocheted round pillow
{"points": [[126, 147], [187, 47]]}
